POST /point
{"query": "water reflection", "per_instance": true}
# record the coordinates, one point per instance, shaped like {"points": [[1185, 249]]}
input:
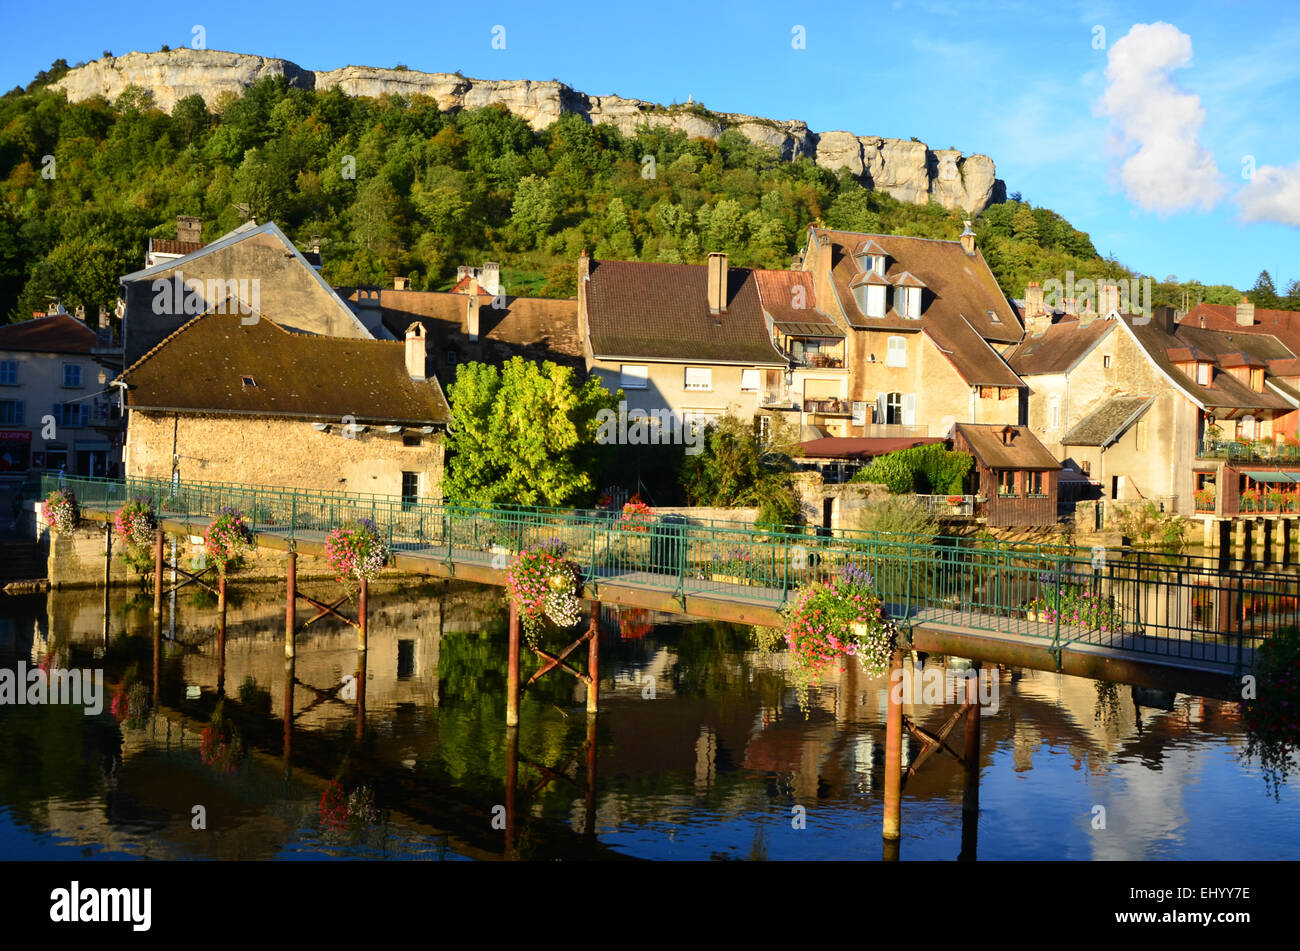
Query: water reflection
{"points": [[699, 750]]}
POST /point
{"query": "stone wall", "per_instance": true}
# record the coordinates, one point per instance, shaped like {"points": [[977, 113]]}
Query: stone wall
{"points": [[279, 452], [908, 170]]}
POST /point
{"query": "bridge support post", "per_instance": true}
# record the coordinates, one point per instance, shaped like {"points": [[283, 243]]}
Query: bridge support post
{"points": [[512, 670], [221, 634], [1239, 534], [512, 781], [291, 605], [158, 574], [288, 709], [970, 803], [361, 694], [108, 573], [362, 613], [593, 659], [157, 654], [894, 755], [589, 827]]}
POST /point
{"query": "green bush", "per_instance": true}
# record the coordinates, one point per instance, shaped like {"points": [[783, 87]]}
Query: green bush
{"points": [[930, 470]]}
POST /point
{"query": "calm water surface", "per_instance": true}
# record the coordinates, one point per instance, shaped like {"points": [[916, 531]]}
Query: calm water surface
{"points": [[701, 750]]}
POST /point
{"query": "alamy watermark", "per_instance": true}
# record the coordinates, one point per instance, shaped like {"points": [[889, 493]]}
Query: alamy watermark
{"points": [[54, 686], [177, 295], [657, 427], [936, 686], [1134, 295]]}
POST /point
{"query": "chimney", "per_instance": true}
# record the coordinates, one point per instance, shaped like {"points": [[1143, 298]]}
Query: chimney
{"points": [[189, 228], [1107, 298], [1245, 313], [968, 239], [1071, 307], [489, 278], [471, 316], [401, 283], [1033, 299], [415, 351], [584, 275], [717, 282], [1165, 317]]}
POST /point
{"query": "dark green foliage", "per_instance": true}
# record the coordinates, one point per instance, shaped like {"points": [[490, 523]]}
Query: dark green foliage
{"points": [[735, 470], [929, 470]]}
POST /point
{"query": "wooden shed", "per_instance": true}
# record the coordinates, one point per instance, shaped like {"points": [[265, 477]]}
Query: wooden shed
{"points": [[1014, 476]]}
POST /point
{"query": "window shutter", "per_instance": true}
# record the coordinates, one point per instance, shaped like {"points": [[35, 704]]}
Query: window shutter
{"points": [[882, 407], [57, 411], [749, 379], [85, 414], [909, 409]]}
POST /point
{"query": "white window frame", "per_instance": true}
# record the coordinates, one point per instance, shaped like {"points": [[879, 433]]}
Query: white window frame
{"points": [[703, 379], [1202, 374], [875, 300], [749, 381], [630, 379], [896, 352], [8, 372]]}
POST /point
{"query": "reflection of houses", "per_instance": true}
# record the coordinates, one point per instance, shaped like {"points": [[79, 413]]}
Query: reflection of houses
{"points": [[688, 338], [1150, 409], [55, 414], [477, 321], [226, 401], [1014, 474], [925, 322]]}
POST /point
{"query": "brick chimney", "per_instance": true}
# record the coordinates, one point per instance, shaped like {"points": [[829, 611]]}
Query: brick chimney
{"points": [[717, 282], [968, 239], [1245, 313], [415, 351], [1107, 298], [1037, 319], [489, 278], [471, 316], [189, 228], [401, 283], [584, 275]]}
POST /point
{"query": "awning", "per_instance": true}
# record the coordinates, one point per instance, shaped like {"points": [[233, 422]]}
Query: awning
{"points": [[1271, 475]]}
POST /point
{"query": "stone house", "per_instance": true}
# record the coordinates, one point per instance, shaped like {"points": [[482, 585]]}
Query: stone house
{"points": [[55, 414], [925, 327], [223, 400], [685, 339], [253, 269]]}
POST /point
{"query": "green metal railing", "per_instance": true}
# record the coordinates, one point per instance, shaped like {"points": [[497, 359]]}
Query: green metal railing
{"points": [[1177, 605]]}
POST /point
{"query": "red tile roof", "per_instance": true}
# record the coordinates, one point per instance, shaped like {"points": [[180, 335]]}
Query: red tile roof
{"points": [[1283, 324], [172, 246], [856, 447], [60, 333]]}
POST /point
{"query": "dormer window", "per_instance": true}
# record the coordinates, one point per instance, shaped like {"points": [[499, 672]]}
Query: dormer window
{"points": [[907, 302], [1257, 379], [1203, 374]]}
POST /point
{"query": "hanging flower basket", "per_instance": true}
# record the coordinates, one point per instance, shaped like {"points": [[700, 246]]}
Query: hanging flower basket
{"points": [[543, 583], [62, 511], [637, 516], [837, 618], [136, 522], [227, 538], [356, 551]]}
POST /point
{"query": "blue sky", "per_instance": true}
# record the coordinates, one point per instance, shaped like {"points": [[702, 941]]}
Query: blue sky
{"points": [[1060, 106]]}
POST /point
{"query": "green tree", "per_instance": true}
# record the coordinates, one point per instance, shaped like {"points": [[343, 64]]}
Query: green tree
{"points": [[1264, 293], [524, 434], [734, 469]]}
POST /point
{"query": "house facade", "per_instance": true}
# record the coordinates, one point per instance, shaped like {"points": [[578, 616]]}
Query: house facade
{"points": [[55, 414], [225, 401]]}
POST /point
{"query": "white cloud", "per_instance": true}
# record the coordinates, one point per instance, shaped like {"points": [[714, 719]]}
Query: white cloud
{"points": [[1272, 195], [1156, 123]]}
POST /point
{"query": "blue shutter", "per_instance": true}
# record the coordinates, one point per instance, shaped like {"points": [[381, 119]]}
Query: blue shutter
{"points": [[85, 413]]}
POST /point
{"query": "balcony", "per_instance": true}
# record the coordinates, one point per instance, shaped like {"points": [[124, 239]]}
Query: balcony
{"points": [[821, 361], [828, 407], [1250, 450], [776, 401], [950, 506]]}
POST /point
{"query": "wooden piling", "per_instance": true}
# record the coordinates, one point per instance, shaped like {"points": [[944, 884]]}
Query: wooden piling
{"points": [[361, 694], [970, 803], [512, 782], [593, 659], [158, 574], [362, 613], [512, 669], [894, 751], [589, 826], [221, 633], [291, 606], [157, 654]]}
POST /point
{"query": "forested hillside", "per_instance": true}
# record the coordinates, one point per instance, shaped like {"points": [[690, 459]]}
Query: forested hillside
{"points": [[395, 187]]}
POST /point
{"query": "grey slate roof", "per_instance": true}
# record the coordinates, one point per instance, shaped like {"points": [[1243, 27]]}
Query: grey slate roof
{"points": [[1107, 422]]}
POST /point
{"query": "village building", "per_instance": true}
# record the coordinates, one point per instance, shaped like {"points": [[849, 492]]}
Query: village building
{"points": [[684, 339], [254, 268], [56, 415], [1014, 477], [477, 321], [925, 326], [223, 400]]}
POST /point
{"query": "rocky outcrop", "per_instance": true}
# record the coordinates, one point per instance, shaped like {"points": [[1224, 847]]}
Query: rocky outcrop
{"points": [[907, 170]]}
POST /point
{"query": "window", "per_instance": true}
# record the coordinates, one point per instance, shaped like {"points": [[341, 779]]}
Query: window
{"points": [[1257, 380], [1006, 482], [412, 441], [894, 408], [749, 381], [11, 412], [452, 357], [410, 489], [1054, 413], [986, 392], [1105, 361], [248, 381], [632, 377], [699, 378], [1035, 483], [993, 317], [907, 302], [875, 300], [72, 414], [897, 354], [1203, 374], [71, 374], [8, 372], [1087, 468]]}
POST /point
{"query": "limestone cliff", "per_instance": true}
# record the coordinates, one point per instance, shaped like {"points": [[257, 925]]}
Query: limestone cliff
{"points": [[907, 170]]}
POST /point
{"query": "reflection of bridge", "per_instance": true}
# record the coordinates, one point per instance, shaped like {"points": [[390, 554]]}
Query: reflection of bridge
{"points": [[1180, 623]]}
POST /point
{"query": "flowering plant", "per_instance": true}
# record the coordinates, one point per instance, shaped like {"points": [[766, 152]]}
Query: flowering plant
{"points": [[637, 516], [130, 704], [839, 616], [543, 583], [227, 538], [634, 624], [136, 522], [221, 747], [735, 563], [1073, 602], [955, 500], [338, 812], [356, 551], [1204, 500], [62, 511]]}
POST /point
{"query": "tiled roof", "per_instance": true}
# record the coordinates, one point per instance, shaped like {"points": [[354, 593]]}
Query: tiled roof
{"points": [[1059, 347], [1262, 345], [1189, 355], [1108, 421], [660, 311], [1284, 324], [1025, 451], [1224, 390], [1240, 359], [862, 447], [60, 333], [1284, 366], [202, 366], [172, 246]]}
